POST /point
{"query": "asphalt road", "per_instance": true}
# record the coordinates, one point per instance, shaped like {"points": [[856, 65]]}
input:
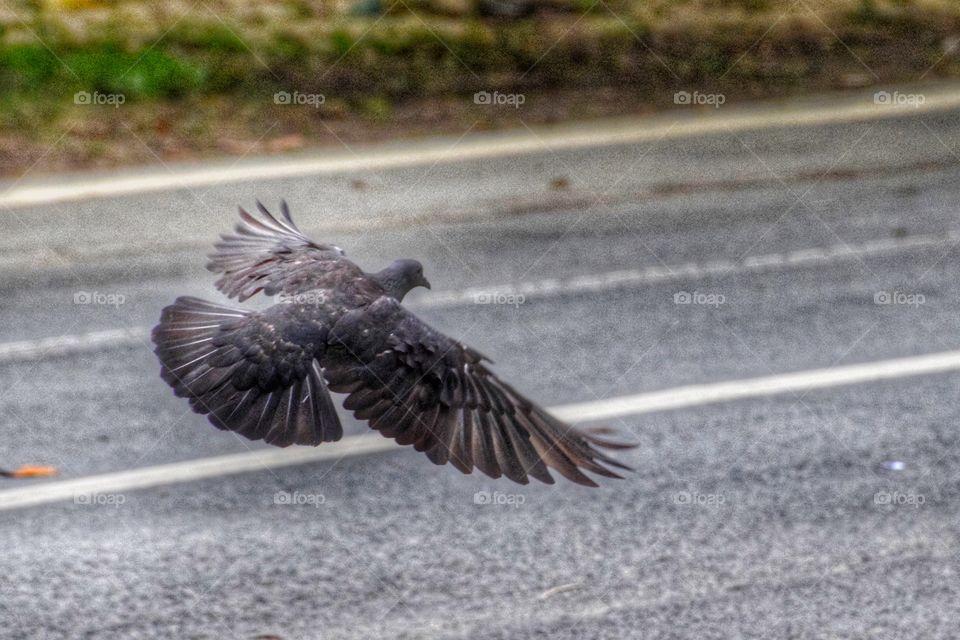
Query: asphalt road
{"points": [[775, 517]]}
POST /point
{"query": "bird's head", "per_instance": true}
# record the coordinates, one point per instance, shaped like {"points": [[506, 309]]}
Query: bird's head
{"points": [[400, 277]]}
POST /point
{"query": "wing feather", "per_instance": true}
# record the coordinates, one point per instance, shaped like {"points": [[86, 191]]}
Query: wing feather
{"points": [[271, 254], [424, 389]]}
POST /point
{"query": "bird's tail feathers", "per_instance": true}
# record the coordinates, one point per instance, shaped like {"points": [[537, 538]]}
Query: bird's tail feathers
{"points": [[204, 361]]}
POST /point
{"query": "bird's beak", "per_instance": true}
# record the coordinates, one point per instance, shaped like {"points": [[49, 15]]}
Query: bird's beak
{"points": [[424, 283]]}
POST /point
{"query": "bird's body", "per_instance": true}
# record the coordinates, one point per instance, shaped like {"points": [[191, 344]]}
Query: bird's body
{"points": [[268, 374]]}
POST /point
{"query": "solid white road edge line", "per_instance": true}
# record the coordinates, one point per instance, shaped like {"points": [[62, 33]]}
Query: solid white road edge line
{"points": [[33, 350], [681, 397], [476, 147]]}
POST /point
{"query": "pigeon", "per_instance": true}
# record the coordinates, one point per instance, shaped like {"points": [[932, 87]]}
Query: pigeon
{"points": [[268, 374]]}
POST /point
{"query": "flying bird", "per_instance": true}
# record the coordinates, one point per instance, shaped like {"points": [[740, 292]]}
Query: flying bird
{"points": [[267, 375]]}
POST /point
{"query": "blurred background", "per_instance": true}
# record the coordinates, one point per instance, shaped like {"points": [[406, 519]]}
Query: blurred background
{"points": [[231, 77]]}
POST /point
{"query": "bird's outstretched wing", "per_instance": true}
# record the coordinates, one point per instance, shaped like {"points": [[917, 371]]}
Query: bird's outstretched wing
{"points": [[252, 373], [272, 255], [423, 388]]}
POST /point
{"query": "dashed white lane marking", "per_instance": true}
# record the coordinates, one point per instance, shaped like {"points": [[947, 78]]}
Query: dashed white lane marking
{"points": [[679, 124], [33, 350], [681, 397]]}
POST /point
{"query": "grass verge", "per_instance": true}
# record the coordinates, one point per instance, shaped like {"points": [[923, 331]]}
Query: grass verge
{"points": [[87, 83]]}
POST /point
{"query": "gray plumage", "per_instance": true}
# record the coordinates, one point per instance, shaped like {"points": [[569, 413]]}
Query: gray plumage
{"points": [[268, 375]]}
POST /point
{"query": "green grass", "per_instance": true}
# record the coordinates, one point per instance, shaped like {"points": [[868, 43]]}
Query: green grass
{"points": [[124, 48], [176, 55]]}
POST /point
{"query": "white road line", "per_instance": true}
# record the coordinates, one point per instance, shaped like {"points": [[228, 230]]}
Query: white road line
{"points": [[95, 341], [799, 382], [691, 270], [679, 124], [33, 350], [678, 398]]}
